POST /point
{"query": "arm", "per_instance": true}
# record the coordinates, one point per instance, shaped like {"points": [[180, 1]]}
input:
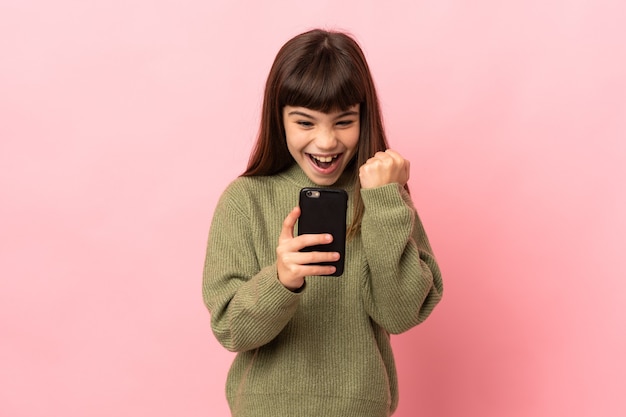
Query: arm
{"points": [[251, 303], [402, 281], [248, 304]]}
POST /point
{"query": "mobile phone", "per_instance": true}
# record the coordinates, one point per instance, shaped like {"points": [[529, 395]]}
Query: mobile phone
{"points": [[323, 210]]}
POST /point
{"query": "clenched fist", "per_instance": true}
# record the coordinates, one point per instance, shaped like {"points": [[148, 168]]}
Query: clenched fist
{"points": [[384, 168]]}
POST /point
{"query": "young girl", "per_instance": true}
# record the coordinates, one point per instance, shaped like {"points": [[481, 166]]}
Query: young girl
{"points": [[311, 345]]}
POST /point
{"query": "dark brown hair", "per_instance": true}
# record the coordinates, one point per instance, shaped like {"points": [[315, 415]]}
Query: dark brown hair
{"points": [[324, 71]]}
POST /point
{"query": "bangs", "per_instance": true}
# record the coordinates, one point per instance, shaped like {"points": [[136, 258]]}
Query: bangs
{"points": [[324, 82]]}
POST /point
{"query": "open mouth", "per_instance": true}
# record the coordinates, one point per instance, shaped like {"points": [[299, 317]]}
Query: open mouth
{"points": [[324, 162]]}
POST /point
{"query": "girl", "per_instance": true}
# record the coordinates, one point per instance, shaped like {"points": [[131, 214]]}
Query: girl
{"points": [[309, 345]]}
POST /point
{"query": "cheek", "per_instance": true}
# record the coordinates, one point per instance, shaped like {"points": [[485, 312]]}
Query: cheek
{"points": [[353, 139], [293, 141]]}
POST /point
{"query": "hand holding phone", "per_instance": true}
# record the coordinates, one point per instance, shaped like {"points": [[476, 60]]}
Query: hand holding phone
{"points": [[323, 210]]}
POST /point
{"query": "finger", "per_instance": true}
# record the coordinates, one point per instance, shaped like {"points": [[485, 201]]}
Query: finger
{"points": [[304, 257], [382, 156], [301, 264], [289, 224], [394, 155], [399, 161], [378, 158], [311, 258], [303, 241], [310, 270], [390, 159]]}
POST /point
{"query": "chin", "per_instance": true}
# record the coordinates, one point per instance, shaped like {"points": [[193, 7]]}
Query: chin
{"points": [[327, 182]]}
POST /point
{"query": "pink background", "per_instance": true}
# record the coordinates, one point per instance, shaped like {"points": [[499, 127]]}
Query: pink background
{"points": [[122, 121]]}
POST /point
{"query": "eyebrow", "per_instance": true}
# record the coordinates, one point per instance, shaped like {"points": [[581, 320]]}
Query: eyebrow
{"points": [[344, 114]]}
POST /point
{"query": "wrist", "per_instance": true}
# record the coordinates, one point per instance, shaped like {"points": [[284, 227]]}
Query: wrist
{"points": [[295, 285]]}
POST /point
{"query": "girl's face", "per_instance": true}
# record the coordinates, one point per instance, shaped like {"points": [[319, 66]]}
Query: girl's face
{"points": [[322, 143]]}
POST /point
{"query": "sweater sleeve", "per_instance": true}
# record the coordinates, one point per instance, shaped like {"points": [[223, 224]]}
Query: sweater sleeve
{"points": [[402, 281], [248, 305]]}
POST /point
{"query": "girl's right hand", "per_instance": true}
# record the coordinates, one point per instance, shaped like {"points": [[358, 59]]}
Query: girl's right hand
{"points": [[293, 265]]}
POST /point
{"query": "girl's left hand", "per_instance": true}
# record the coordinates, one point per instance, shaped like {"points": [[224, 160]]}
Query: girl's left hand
{"points": [[384, 168]]}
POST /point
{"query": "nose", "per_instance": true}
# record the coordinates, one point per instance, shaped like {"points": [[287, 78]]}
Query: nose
{"points": [[326, 140]]}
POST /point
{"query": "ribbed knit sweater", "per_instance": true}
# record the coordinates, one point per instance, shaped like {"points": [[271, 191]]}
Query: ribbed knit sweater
{"points": [[323, 351]]}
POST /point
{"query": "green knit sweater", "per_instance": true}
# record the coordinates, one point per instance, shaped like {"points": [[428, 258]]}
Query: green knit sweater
{"points": [[323, 351]]}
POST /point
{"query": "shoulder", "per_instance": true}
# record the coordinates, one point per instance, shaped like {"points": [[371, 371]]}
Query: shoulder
{"points": [[248, 192], [242, 186], [238, 192], [246, 187]]}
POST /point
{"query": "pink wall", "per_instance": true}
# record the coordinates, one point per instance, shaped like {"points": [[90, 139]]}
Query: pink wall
{"points": [[122, 121]]}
